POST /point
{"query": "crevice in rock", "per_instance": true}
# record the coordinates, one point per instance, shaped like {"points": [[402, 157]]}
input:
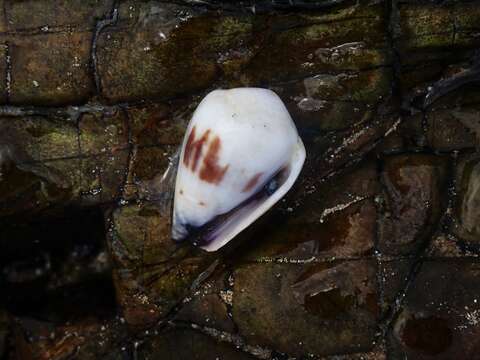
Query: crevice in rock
{"points": [[110, 20]]}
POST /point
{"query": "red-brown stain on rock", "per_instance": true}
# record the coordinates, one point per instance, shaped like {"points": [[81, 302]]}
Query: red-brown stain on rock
{"points": [[193, 148], [252, 182], [211, 172]]}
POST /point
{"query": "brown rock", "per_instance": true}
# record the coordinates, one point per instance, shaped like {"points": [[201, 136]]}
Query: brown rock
{"points": [[467, 202], [447, 133], [335, 218], [321, 309], [36, 340], [160, 124], [441, 312], [209, 306], [414, 197]]}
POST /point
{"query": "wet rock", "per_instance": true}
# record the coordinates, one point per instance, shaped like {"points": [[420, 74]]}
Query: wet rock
{"points": [[152, 273], [209, 306], [336, 219], [333, 102], [408, 137], [343, 234], [300, 309], [49, 15], [467, 178], [34, 82], [183, 344], [414, 197], [393, 275], [441, 313]]}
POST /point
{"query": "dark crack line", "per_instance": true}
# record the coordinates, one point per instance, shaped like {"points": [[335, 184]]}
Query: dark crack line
{"points": [[100, 26], [419, 259], [131, 154], [8, 71]]}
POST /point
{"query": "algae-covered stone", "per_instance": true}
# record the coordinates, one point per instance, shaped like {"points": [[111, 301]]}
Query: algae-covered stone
{"points": [[51, 69], [321, 309], [39, 138], [429, 37], [306, 44], [34, 14], [163, 51]]}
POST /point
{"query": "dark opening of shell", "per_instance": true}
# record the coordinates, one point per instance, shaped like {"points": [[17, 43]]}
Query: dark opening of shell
{"points": [[207, 233]]}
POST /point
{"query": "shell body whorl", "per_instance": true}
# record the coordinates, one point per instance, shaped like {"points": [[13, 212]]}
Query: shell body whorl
{"points": [[237, 141]]}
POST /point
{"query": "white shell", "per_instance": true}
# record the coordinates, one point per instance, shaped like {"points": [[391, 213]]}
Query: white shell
{"points": [[237, 141]]}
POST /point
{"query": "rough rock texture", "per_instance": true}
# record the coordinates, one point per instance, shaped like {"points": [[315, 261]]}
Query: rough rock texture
{"points": [[373, 254]]}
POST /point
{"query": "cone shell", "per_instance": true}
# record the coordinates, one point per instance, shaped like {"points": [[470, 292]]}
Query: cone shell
{"points": [[240, 155]]}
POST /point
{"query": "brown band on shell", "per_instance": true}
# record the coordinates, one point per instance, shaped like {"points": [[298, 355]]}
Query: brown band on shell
{"points": [[193, 149], [252, 182], [211, 172]]}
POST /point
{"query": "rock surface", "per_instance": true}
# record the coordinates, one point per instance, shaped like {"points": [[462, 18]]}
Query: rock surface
{"points": [[373, 254]]}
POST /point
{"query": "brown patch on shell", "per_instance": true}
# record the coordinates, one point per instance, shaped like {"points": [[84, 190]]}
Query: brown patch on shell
{"points": [[211, 172], [252, 182]]}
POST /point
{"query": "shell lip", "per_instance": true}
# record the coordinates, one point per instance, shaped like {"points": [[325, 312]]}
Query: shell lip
{"points": [[220, 230]]}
